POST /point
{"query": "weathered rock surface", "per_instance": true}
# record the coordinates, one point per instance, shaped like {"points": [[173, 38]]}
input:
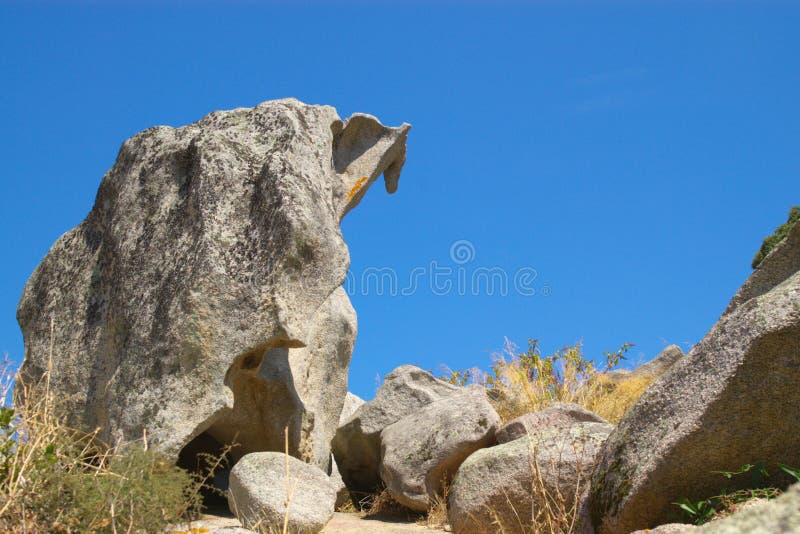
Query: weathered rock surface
{"points": [[496, 489], [357, 443], [557, 415], [780, 264], [258, 490], [423, 450], [342, 493], [778, 516], [731, 401], [351, 404], [654, 368], [202, 292]]}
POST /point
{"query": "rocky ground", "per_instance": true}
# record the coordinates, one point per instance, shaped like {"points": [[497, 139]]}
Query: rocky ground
{"points": [[340, 523]]}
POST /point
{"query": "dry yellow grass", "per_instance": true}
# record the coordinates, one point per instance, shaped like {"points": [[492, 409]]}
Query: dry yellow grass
{"points": [[382, 504], [436, 517], [612, 401], [524, 382], [550, 509], [56, 479]]}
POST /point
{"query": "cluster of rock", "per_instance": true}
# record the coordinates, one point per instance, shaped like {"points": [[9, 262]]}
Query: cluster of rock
{"points": [[420, 434], [712, 410], [200, 304]]}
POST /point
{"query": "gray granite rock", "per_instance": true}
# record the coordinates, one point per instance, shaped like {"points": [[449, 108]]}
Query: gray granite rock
{"points": [[422, 451], [502, 488], [557, 415], [202, 292], [778, 516], [258, 494], [352, 403], [731, 401], [668, 528], [782, 261], [357, 444]]}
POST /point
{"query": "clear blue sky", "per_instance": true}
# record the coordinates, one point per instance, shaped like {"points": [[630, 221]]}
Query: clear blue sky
{"points": [[633, 156]]}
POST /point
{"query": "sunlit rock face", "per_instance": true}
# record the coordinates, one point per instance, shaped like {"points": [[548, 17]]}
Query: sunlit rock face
{"points": [[200, 300], [733, 400]]}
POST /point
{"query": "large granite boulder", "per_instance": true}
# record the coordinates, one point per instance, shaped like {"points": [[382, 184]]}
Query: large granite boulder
{"points": [[259, 492], [731, 401], [202, 294], [557, 415], [357, 443], [507, 488], [422, 451]]}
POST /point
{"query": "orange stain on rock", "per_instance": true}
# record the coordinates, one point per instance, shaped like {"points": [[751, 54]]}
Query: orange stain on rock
{"points": [[356, 188]]}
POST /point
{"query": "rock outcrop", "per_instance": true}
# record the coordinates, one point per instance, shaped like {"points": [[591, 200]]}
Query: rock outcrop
{"points": [[653, 369], [504, 488], [731, 401], [777, 266], [357, 443], [201, 297], [557, 415], [422, 451], [258, 494]]}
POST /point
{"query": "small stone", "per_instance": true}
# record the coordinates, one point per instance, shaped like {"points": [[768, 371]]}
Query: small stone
{"points": [[257, 493]]}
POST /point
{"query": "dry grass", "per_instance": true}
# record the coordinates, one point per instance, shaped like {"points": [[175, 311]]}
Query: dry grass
{"points": [[558, 509], [612, 401], [381, 504], [56, 479], [523, 382], [555, 496], [436, 518], [347, 507]]}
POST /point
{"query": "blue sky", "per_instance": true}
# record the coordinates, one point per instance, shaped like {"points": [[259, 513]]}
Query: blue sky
{"points": [[633, 157]]}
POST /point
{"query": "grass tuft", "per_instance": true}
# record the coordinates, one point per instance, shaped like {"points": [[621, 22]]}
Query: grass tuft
{"points": [[611, 401], [524, 382], [780, 233], [54, 478]]}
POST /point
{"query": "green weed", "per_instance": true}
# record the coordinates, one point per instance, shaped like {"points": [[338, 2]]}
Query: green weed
{"points": [[702, 511]]}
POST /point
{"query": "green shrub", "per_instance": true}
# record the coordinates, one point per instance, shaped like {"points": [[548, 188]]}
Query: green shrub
{"points": [[55, 479], [780, 233]]}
